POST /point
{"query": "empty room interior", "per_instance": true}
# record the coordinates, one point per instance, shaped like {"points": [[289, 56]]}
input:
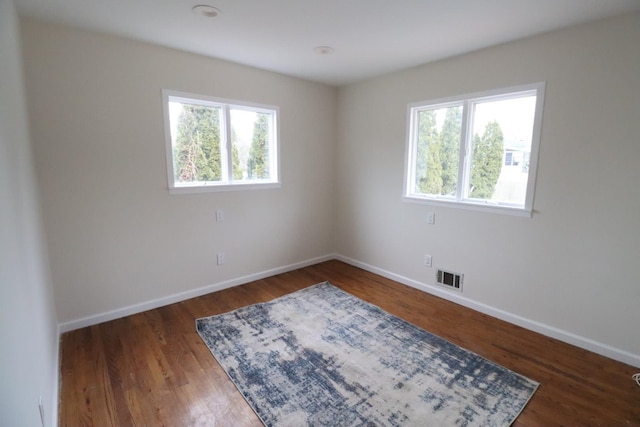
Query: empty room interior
{"points": [[332, 162]]}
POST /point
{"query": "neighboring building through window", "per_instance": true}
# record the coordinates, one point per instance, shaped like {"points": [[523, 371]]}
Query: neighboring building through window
{"points": [[216, 144], [477, 151]]}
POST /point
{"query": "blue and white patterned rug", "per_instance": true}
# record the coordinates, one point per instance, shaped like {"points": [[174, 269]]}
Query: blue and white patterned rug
{"points": [[322, 357]]}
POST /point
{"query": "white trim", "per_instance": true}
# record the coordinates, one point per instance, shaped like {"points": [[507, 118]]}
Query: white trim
{"points": [[167, 137], [480, 207], [225, 105], [466, 151], [226, 151], [453, 296], [467, 101], [541, 328], [246, 185], [182, 296], [496, 94], [536, 140]]}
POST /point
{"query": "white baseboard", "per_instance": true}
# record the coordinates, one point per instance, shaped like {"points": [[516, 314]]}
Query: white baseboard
{"points": [[550, 331], [181, 296]]}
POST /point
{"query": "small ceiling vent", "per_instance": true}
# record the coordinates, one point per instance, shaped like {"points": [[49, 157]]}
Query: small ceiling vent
{"points": [[449, 279]]}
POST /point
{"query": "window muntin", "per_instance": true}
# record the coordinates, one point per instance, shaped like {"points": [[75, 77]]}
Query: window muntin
{"points": [[477, 151], [215, 144]]}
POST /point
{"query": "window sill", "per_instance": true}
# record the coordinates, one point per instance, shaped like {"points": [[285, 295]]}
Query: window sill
{"points": [[216, 188], [505, 210]]}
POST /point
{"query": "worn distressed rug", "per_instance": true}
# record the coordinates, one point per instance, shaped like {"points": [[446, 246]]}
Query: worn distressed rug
{"points": [[322, 357]]}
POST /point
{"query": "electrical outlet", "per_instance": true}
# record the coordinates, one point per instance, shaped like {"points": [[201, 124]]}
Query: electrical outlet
{"points": [[221, 258], [431, 217], [427, 261], [219, 215]]}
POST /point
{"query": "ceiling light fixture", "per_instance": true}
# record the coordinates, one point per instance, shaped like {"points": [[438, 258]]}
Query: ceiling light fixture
{"points": [[323, 50], [206, 10]]}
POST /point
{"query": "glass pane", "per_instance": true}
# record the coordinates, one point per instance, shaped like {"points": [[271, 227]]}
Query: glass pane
{"points": [[252, 141], [502, 134], [438, 151], [195, 138]]}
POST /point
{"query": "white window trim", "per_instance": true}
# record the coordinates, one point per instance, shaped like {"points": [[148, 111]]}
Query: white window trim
{"points": [[225, 137], [466, 101]]}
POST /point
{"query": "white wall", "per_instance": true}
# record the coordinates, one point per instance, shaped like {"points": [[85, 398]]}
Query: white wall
{"points": [[28, 326], [575, 265], [116, 236]]}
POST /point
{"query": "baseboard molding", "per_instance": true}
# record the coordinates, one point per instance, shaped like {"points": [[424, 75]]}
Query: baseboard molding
{"points": [[544, 329], [550, 331], [181, 296]]}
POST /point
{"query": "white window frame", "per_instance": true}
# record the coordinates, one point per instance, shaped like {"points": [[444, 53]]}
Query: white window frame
{"points": [[461, 200], [227, 183]]}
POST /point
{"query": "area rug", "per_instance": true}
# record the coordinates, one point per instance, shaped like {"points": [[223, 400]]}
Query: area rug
{"points": [[322, 357]]}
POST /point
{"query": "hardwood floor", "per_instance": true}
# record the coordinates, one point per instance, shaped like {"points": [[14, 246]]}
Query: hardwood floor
{"points": [[152, 368]]}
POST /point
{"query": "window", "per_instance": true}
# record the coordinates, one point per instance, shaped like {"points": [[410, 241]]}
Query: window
{"points": [[476, 151], [217, 144], [508, 158]]}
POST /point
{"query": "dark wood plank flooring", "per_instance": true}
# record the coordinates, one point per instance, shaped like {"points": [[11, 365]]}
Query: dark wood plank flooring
{"points": [[152, 368]]}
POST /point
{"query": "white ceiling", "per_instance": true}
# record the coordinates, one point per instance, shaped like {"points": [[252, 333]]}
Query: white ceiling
{"points": [[370, 37]]}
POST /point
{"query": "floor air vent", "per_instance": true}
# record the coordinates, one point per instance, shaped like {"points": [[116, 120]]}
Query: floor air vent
{"points": [[449, 279]]}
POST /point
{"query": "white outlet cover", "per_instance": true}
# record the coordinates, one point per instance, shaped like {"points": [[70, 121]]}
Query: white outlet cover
{"points": [[431, 217], [428, 261]]}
